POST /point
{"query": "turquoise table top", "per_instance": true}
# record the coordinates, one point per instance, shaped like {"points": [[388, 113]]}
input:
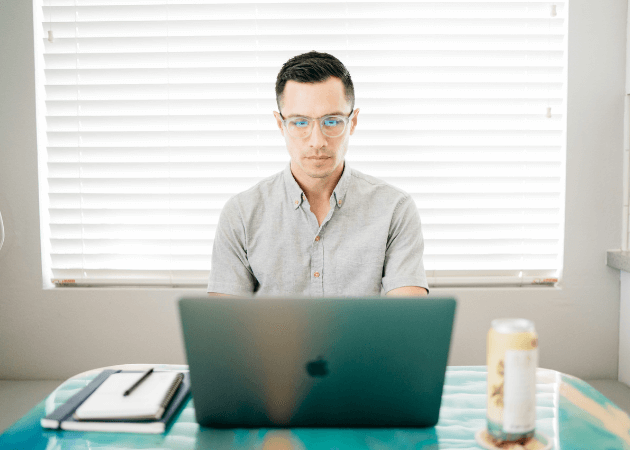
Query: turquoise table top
{"points": [[568, 411]]}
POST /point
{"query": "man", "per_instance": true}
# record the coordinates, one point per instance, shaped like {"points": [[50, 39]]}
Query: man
{"points": [[318, 228]]}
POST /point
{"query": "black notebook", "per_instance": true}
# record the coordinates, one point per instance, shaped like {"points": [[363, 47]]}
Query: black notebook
{"points": [[101, 406]]}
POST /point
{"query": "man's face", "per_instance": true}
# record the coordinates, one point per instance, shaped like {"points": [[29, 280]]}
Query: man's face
{"points": [[318, 155]]}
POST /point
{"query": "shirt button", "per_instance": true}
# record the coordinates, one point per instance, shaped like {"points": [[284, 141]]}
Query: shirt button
{"points": [[317, 238], [297, 201], [316, 274], [339, 202]]}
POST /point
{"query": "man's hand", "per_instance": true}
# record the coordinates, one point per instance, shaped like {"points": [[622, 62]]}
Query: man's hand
{"points": [[408, 291]]}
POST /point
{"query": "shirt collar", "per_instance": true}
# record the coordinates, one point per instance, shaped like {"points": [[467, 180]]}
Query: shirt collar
{"points": [[296, 195], [342, 186]]}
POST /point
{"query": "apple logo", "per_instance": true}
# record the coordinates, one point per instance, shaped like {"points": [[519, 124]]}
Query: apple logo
{"points": [[317, 368]]}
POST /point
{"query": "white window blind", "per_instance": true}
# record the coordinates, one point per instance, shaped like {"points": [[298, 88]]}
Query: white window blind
{"points": [[151, 114]]}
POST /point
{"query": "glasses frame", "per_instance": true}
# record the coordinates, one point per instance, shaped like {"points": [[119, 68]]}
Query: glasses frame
{"points": [[321, 123]]}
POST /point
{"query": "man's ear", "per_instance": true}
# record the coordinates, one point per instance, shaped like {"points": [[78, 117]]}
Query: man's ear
{"points": [[279, 122], [353, 122]]}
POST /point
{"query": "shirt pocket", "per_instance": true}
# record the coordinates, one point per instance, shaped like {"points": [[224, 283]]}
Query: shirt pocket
{"points": [[361, 255], [358, 272]]}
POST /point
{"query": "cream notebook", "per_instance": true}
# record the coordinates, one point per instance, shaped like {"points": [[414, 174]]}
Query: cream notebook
{"points": [[147, 402]]}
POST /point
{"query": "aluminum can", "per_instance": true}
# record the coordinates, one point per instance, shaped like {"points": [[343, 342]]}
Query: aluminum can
{"points": [[512, 357]]}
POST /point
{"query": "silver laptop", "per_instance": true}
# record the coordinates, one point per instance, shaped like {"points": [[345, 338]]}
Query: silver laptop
{"points": [[328, 362]]}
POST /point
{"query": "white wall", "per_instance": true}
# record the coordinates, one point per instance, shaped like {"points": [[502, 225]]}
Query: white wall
{"points": [[624, 308], [624, 329], [57, 333]]}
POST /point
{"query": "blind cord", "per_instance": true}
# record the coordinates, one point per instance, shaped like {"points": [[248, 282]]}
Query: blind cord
{"points": [[50, 33]]}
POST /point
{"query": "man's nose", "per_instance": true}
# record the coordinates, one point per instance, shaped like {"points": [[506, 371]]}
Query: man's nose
{"points": [[317, 139]]}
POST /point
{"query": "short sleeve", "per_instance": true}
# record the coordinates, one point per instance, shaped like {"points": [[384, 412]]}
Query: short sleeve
{"points": [[405, 249], [230, 272]]}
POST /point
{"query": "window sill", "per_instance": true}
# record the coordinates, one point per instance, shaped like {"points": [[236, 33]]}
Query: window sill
{"points": [[618, 259]]}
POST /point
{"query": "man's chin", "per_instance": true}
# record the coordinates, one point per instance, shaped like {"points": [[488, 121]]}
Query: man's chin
{"points": [[323, 169], [318, 169], [318, 174]]}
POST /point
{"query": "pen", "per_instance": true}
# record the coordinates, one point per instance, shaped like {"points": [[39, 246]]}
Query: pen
{"points": [[137, 383]]}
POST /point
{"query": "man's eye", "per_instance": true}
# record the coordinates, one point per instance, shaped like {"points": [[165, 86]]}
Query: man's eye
{"points": [[331, 122], [301, 123]]}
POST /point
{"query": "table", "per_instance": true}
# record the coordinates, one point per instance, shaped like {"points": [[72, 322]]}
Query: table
{"points": [[568, 410]]}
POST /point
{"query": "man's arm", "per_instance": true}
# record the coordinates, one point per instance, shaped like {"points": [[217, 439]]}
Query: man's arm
{"points": [[403, 271], [408, 291], [230, 273]]}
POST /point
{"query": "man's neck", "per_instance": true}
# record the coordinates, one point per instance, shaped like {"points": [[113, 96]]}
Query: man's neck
{"points": [[317, 189]]}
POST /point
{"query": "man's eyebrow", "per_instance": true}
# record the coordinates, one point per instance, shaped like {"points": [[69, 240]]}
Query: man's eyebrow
{"points": [[336, 113]]}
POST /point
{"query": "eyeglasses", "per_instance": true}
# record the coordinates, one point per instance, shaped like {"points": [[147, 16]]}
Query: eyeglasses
{"points": [[302, 127]]}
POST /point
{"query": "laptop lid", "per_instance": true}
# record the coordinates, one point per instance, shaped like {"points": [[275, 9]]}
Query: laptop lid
{"points": [[328, 362]]}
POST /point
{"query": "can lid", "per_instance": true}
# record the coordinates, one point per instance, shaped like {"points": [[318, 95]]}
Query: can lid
{"points": [[505, 326]]}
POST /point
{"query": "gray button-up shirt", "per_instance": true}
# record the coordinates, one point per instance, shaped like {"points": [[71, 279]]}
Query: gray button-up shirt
{"points": [[268, 241]]}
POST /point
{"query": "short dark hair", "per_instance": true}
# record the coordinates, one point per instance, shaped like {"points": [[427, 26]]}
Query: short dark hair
{"points": [[314, 67]]}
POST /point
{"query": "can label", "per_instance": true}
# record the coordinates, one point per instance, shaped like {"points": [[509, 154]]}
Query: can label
{"points": [[519, 410], [512, 361]]}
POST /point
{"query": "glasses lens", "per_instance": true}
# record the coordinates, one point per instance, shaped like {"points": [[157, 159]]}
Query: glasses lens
{"points": [[333, 126], [300, 127]]}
